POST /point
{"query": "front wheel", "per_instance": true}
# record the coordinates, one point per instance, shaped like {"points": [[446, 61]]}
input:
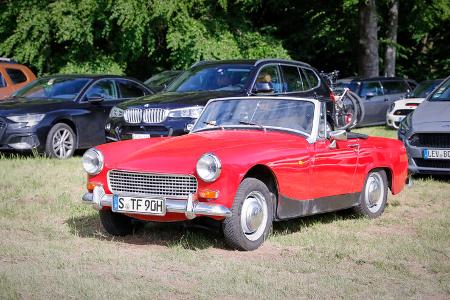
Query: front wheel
{"points": [[252, 216], [372, 201], [116, 224], [61, 141]]}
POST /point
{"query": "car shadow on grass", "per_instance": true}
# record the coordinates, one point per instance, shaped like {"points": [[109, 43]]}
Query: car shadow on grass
{"points": [[193, 235]]}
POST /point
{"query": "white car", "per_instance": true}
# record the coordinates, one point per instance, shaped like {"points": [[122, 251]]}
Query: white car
{"points": [[401, 108]]}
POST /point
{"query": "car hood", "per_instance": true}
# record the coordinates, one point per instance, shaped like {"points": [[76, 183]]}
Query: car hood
{"points": [[177, 99], [19, 106], [432, 116], [409, 100], [179, 155]]}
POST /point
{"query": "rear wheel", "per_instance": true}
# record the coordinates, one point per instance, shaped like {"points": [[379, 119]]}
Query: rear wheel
{"points": [[252, 216], [61, 141], [372, 201], [116, 224]]}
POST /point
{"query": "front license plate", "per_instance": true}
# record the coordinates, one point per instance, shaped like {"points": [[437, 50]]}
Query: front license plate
{"points": [[150, 206], [436, 154], [137, 136]]}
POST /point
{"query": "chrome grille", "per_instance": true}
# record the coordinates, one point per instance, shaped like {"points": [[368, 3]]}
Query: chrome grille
{"points": [[151, 184], [133, 115], [154, 115]]}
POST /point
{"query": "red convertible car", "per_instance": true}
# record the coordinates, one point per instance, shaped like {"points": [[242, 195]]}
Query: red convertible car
{"points": [[246, 163]]}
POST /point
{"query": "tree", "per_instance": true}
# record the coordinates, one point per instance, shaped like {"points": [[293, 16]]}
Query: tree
{"points": [[368, 60], [391, 38]]}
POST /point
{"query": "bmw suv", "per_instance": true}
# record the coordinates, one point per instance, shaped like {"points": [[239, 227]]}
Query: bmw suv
{"points": [[172, 112]]}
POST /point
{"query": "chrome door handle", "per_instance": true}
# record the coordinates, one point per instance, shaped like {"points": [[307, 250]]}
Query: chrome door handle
{"points": [[353, 145]]}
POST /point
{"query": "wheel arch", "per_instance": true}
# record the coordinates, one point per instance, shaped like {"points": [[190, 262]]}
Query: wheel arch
{"points": [[68, 122], [266, 175], [388, 172]]}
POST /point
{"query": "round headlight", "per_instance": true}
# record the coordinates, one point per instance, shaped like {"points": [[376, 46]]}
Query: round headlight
{"points": [[208, 167], [93, 161]]}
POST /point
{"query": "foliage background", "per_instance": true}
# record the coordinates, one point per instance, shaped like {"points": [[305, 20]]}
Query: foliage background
{"points": [[141, 37]]}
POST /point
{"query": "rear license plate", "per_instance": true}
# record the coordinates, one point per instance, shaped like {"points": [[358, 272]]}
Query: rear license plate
{"points": [[137, 136], [150, 206], [436, 154]]}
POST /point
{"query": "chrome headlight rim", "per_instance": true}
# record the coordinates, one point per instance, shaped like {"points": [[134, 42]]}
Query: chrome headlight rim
{"points": [[217, 165], [99, 156]]}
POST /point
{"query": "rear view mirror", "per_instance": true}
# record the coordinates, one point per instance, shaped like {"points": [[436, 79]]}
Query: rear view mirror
{"points": [[263, 87], [338, 135]]}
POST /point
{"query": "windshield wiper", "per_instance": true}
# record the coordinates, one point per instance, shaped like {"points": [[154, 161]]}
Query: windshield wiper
{"points": [[252, 124]]}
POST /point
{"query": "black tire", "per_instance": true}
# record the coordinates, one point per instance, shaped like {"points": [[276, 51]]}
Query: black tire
{"points": [[116, 224], [69, 141], [371, 205], [249, 191]]}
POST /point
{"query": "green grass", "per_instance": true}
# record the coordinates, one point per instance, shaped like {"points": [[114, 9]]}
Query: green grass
{"points": [[52, 246]]}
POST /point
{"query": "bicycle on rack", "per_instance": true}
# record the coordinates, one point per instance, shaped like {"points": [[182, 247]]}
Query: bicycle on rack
{"points": [[348, 109]]}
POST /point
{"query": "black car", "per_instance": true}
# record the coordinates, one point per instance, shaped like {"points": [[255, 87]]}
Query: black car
{"points": [[377, 94], [160, 81], [58, 114], [169, 113]]}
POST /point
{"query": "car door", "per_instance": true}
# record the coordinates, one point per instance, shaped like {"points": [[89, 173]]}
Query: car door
{"points": [[92, 131], [333, 168], [374, 101]]}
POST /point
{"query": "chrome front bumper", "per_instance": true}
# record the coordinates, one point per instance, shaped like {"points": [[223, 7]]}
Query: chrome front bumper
{"points": [[190, 207]]}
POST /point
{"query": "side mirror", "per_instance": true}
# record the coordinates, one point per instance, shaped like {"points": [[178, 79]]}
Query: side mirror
{"points": [[338, 135], [95, 98], [263, 87]]}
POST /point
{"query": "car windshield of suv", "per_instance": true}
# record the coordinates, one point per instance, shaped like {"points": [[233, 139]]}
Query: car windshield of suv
{"points": [[293, 115], [212, 78], [424, 88], [53, 88], [442, 93]]}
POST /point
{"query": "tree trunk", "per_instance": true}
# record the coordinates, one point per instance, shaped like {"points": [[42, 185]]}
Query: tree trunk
{"points": [[391, 51], [368, 60]]}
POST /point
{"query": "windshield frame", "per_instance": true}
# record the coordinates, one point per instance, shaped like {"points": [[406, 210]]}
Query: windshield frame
{"points": [[310, 137], [251, 69], [44, 79]]}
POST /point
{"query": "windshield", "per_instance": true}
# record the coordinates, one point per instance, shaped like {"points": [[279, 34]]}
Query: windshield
{"points": [[424, 88], [162, 78], [295, 115], [212, 78], [442, 93], [53, 88]]}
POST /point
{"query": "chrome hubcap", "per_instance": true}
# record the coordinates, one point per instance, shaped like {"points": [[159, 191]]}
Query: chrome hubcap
{"points": [[62, 143], [254, 215], [374, 192]]}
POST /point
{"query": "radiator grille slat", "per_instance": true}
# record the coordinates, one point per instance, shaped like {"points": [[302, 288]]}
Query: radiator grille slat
{"points": [[152, 184], [133, 115], [154, 115]]}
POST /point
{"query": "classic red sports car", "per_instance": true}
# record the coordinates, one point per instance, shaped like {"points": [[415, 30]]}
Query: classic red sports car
{"points": [[246, 163]]}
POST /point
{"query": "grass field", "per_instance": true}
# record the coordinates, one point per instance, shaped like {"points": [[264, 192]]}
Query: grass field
{"points": [[52, 246]]}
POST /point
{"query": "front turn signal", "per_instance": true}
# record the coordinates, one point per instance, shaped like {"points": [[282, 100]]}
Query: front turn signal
{"points": [[208, 194], [91, 185]]}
